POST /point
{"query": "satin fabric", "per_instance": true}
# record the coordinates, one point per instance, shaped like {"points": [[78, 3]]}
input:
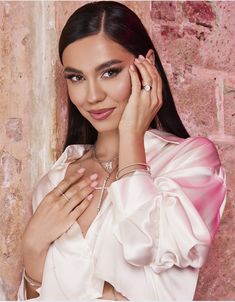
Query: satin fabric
{"points": [[152, 233]]}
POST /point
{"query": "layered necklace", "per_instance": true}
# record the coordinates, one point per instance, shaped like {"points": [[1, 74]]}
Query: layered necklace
{"points": [[109, 166]]}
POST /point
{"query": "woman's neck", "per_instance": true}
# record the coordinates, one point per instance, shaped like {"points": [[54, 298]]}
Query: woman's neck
{"points": [[107, 145]]}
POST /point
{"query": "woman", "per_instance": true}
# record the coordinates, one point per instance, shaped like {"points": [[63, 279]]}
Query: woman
{"points": [[127, 212]]}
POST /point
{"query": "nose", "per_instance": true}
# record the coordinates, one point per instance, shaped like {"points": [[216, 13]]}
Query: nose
{"points": [[95, 92]]}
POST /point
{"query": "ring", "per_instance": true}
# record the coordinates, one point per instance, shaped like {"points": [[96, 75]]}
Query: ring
{"points": [[65, 196], [147, 87]]}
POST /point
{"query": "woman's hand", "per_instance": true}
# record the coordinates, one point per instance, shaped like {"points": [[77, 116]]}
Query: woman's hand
{"points": [[55, 215], [60, 209], [142, 105]]}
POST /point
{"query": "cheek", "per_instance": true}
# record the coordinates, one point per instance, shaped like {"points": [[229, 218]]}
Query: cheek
{"points": [[76, 94], [120, 89]]}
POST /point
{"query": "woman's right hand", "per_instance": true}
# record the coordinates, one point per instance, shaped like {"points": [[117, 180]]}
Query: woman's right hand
{"points": [[55, 215]]}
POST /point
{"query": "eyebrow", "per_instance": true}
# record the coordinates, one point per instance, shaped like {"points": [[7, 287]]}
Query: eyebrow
{"points": [[98, 68]]}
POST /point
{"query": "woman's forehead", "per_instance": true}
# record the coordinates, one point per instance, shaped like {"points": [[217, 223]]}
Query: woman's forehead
{"points": [[94, 50]]}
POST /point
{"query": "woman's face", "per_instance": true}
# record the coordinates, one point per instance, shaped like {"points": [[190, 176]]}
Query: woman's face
{"points": [[99, 85]]}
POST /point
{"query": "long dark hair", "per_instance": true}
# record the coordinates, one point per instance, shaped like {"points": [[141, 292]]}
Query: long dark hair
{"points": [[123, 26]]}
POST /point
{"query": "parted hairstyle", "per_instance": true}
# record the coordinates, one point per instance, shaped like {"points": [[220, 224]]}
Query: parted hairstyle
{"points": [[123, 26]]}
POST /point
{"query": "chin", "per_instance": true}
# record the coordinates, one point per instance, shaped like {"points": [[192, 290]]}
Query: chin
{"points": [[105, 127]]}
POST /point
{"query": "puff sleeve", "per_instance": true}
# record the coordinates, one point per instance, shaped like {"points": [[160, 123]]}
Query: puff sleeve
{"points": [[170, 218]]}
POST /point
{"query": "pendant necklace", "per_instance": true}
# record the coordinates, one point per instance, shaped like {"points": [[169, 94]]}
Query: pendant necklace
{"points": [[109, 168]]}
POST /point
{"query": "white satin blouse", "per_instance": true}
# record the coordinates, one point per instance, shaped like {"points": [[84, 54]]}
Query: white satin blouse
{"points": [[152, 233]]}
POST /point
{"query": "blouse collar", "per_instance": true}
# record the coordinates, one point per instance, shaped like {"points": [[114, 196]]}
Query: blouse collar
{"points": [[73, 152], [163, 136]]}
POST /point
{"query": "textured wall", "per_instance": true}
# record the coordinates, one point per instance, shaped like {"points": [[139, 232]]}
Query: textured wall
{"points": [[196, 43], [27, 122]]}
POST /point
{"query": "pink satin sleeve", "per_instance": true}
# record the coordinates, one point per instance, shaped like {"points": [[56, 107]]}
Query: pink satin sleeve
{"points": [[170, 218]]}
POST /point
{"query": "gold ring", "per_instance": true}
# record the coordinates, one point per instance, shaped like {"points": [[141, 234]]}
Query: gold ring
{"points": [[65, 196]]}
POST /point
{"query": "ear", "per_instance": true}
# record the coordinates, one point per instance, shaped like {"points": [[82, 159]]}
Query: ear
{"points": [[150, 55]]}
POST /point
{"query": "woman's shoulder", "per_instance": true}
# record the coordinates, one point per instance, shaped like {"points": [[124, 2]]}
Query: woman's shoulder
{"points": [[166, 146], [171, 139]]}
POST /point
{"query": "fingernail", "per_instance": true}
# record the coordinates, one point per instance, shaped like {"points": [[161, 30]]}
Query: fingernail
{"points": [[81, 170], [94, 184], [89, 197], [132, 67], [93, 176], [138, 61], [149, 61], [142, 58]]}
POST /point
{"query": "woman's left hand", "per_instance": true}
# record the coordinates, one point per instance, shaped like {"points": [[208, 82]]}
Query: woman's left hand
{"points": [[142, 105]]}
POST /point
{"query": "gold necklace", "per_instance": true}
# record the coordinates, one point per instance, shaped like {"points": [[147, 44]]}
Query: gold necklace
{"points": [[107, 166]]}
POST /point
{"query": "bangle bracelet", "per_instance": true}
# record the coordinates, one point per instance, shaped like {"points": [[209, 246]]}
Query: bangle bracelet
{"points": [[131, 165], [134, 170], [33, 283]]}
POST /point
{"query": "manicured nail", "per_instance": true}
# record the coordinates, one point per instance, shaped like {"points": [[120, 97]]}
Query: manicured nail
{"points": [[142, 58], [138, 61], [132, 67], [81, 170], [94, 184], [94, 176], [89, 197]]}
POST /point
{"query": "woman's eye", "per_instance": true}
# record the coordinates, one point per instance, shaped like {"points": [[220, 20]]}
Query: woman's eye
{"points": [[74, 78], [111, 72]]}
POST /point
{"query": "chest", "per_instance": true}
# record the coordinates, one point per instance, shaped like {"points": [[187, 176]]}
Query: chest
{"points": [[88, 216], [99, 194]]}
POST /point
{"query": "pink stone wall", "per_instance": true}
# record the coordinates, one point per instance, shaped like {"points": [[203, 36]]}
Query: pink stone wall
{"points": [[196, 42]]}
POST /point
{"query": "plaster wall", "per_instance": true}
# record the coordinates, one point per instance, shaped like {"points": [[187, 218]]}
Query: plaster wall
{"points": [[27, 122], [195, 41]]}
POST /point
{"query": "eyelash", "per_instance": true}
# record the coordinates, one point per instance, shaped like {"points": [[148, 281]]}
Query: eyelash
{"points": [[114, 71]]}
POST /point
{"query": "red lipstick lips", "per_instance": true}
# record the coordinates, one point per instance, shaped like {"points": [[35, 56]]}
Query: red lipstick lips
{"points": [[101, 114]]}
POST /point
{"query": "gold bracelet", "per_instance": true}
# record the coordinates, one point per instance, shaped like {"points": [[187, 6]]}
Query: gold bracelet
{"points": [[33, 283], [134, 170], [131, 165]]}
